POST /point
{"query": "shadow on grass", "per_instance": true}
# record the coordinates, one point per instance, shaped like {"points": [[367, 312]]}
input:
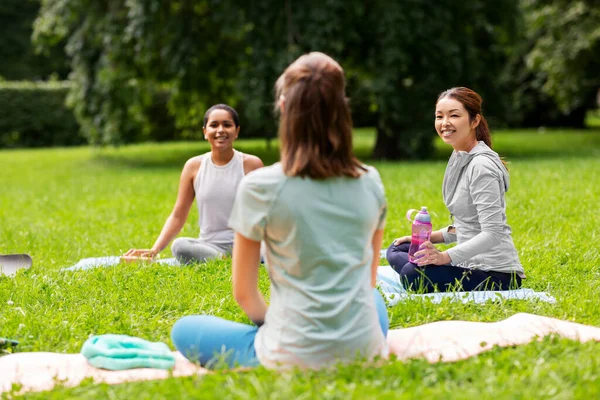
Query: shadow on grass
{"points": [[514, 144]]}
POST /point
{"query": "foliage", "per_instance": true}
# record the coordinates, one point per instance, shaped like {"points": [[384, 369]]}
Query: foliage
{"points": [[277, 35], [125, 54], [132, 59], [119, 198], [208, 51], [19, 60], [420, 51], [551, 75], [106, 95], [35, 115], [566, 49]]}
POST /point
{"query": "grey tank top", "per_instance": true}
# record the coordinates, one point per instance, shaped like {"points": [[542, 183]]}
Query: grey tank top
{"points": [[215, 187]]}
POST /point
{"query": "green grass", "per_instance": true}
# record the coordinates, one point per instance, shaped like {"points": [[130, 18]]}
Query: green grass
{"points": [[592, 119], [61, 205]]}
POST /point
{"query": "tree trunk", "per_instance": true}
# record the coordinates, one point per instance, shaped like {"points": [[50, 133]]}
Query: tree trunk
{"points": [[386, 147], [403, 144]]}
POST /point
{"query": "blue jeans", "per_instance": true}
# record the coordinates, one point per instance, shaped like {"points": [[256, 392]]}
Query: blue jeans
{"points": [[443, 278], [214, 341]]}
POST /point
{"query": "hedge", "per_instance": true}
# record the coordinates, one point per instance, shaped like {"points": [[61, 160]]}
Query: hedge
{"points": [[34, 114]]}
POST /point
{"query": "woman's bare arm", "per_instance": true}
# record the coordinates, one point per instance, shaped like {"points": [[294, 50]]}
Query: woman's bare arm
{"points": [[245, 265], [179, 214]]}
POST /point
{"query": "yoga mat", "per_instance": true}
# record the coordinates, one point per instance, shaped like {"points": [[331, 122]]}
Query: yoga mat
{"points": [[388, 281], [111, 261], [441, 341], [449, 341], [11, 263], [42, 371]]}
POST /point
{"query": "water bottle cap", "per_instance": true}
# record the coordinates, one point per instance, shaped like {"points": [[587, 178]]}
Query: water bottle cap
{"points": [[423, 215]]}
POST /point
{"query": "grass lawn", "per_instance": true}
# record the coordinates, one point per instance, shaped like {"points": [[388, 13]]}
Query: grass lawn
{"points": [[61, 205]]}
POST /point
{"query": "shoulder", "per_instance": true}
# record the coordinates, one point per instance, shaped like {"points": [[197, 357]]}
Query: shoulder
{"points": [[485, 159], [372, 172], [373, 176], [251, 162], [193, 164], [264, 177], [483, 168], [262, 183], [482, 163]]}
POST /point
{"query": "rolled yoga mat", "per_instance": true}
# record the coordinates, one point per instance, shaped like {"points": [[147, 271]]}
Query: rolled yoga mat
{"points": [[11, 263]]}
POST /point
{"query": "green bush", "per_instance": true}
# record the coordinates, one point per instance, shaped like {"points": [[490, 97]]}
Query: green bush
{"points": [[34, 114]]}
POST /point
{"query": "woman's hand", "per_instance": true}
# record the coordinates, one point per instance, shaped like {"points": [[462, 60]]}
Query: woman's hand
{"points": [[133, 255], [400, 240], [429, 255], [141, 253]]}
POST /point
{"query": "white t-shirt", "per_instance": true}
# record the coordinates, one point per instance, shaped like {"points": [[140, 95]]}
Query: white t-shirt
{"points": [[318, 236]]}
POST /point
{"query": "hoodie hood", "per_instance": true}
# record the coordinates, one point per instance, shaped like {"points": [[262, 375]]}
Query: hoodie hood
{"points": [[458, 162]]}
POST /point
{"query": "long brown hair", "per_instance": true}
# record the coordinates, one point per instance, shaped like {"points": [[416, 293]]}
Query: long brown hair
{"points": [[472, 103], [315, 127]]}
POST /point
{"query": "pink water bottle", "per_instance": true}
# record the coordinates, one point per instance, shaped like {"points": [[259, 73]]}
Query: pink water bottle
{"points": [[421, 231]]}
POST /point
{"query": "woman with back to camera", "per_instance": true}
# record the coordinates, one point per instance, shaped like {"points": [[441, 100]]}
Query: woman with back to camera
{"points": [[212, 179], [321, 215], [475, 181]]}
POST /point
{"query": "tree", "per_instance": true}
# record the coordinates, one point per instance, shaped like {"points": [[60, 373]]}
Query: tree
{"points": [[397, 55], [565, 55], [419, 50], [127, 53], [277, 34], [19, 60]]}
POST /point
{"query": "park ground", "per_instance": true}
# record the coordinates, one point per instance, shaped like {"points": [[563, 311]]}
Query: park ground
{"points": [[64, 204]]}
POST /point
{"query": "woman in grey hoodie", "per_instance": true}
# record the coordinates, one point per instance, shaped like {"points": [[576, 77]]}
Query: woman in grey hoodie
{"points": [[475, 181]]}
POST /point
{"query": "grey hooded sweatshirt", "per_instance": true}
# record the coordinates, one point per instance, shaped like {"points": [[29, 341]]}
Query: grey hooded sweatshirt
{"points": [[473, 190]]}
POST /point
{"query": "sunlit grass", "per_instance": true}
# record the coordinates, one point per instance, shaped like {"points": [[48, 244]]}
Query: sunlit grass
{"points": [[61, 205], [592, 119]]}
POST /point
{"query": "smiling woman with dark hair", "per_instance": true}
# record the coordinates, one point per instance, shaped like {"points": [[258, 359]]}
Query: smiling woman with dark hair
{"points": [[212, 179], [321, 215], [475, 181]]}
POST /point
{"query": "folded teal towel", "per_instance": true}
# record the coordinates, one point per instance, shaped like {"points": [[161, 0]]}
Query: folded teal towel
{"points": [[119, 352]]}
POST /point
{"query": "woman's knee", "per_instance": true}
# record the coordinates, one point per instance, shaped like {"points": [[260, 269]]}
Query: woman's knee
{"points": [[403, 247], [187, 333], [211, 340], [409, 271], [183, 326], [180, 248], [397, 256], [187, 251]]}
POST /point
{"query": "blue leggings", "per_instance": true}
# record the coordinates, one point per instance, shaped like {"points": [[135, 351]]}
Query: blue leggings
{"points": [[216, 342], [444, 278]]}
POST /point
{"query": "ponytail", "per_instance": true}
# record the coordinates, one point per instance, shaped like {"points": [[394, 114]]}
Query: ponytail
{"points": [[482, 132]]}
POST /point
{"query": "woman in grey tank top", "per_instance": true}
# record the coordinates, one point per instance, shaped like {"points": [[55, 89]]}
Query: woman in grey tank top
{"points": [[321, 214], [212, 179]]}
